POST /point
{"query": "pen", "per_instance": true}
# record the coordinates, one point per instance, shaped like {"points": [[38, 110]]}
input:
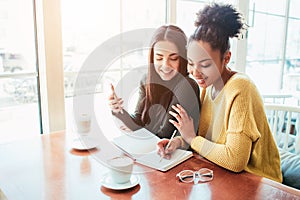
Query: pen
{"points": [[115, 95], [169, 143]]}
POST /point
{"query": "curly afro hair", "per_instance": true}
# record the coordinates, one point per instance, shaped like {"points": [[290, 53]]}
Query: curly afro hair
{"points": [[217, 23]]}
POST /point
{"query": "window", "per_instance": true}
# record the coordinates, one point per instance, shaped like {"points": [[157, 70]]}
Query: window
{"points": [[98, 22], [273, 45], [266, 43], [19, 99], [292, 60]]}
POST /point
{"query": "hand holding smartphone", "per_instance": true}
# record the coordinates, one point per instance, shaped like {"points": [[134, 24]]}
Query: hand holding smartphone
{"points": [[115, 96]]}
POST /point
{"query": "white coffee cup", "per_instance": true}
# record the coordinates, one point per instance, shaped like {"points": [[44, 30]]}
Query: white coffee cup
{"points": [[120, 169], [83, 123]]}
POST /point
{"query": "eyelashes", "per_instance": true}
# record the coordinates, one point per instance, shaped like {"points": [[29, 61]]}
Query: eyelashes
{"points": [[171, 59], [200, 65], [174, 59]]}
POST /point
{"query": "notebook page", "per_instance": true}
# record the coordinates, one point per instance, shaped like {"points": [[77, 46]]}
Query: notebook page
{"points": [[137, 143], [152, 159]]}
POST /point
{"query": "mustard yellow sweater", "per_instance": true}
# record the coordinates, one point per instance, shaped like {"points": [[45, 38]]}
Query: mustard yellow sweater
{"points": [[234, 131]]}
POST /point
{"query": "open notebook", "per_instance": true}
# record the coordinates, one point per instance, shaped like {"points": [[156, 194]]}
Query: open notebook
{"points": [[141, 146]]}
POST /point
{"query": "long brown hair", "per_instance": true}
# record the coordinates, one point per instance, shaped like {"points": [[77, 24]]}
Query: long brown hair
{"points": [[172, 34]]}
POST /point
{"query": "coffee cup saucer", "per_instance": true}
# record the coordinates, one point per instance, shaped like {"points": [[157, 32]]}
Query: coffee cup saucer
{"points": [[108, 182], [84, 143]]}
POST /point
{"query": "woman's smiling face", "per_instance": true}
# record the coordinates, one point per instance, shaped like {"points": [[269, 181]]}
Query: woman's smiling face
{"points": [[166, 59], [204, 63]]}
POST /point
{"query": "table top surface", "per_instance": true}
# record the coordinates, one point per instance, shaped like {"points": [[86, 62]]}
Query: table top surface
{"points": [[47, 167]]}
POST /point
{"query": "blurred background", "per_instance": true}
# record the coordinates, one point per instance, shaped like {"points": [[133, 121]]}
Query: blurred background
{"points": [[31, 66]]}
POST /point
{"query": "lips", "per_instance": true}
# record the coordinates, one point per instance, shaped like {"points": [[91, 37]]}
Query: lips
{"points": [[201, 80], [166, 72]]}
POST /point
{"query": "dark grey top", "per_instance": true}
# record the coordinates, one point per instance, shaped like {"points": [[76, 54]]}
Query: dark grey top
{"points": [[185, 91]]}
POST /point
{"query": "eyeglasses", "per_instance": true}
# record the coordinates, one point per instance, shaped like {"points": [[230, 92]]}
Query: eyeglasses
{"points": [[202, 175]]}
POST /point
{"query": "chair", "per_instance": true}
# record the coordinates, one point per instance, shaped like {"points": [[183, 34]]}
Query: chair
{"points": [[277, 97], [284, 122], [290, 167]]}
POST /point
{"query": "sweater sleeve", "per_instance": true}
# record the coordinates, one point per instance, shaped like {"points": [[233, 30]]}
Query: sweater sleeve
{"points": [[233, 155]]}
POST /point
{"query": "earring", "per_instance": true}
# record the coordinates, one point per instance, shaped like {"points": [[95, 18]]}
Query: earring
{"points": [[226, 59]]}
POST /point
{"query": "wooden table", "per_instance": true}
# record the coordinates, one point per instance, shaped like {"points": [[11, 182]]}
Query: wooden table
{"points": [[46, 167]]}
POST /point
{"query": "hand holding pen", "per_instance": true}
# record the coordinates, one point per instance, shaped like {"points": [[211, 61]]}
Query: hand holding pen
{"points": [[115, 103], [167, 146]]}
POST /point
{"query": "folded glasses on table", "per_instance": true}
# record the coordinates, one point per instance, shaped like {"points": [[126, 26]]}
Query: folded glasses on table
{"points": [[202, 175]]}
